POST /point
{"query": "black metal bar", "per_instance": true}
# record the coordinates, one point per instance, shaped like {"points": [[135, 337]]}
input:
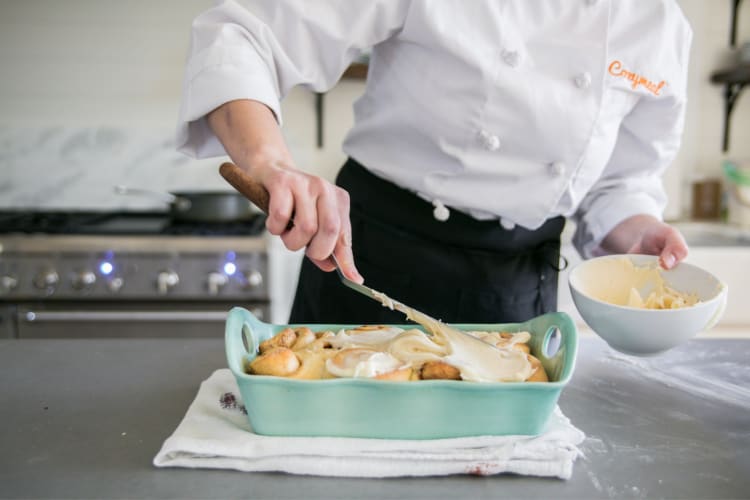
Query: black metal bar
{"points": [[727, 113], [731, 94], [319, 118]]}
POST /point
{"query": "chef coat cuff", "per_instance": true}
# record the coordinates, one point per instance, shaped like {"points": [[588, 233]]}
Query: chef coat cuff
{"points": [[605, 216], [245, 77]]}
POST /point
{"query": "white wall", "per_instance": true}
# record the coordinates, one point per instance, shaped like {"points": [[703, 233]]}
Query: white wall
{"points": [[90, 63]]}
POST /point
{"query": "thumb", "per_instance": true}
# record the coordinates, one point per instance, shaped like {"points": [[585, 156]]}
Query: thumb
{"points": [[667, 259], [344, 256], [674, 251], [345, 259]]}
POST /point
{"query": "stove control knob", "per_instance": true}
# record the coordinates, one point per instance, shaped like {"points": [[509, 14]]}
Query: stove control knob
{"points": [[165, 281], [216, 282], [253, 279], [115, 284], [47, 280], [83, 280], [7, 284]]}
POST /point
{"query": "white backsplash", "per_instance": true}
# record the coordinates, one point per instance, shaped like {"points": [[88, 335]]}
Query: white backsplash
{"points": [[77, 168]]}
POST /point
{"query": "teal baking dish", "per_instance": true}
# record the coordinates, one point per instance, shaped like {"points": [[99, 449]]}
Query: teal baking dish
{"points": [[430, 409]]}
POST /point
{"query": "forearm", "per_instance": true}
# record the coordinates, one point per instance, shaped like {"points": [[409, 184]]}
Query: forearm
{"points": [[250, 135]]}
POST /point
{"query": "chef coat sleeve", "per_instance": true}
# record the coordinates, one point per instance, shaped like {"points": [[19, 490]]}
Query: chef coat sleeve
{"points": [[631, 183], [260, 49]]}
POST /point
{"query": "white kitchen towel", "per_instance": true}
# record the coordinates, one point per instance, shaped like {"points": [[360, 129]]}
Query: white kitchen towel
{"points": [[216, 434]]}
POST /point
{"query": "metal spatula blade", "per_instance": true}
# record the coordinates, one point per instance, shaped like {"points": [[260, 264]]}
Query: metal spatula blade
{"points": [[366, 290]]}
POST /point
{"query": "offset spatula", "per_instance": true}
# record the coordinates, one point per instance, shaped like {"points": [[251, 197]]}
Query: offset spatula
{"points": [[256, 193]]}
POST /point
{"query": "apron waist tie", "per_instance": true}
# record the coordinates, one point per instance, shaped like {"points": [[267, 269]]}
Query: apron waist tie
{"points": [[382, 202]]}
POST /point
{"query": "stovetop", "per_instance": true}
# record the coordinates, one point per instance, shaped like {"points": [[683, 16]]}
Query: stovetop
{"points": [[122, 224], [129, 256]]}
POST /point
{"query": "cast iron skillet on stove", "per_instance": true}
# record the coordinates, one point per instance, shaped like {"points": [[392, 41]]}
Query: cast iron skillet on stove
{"points": [[200, 206]]}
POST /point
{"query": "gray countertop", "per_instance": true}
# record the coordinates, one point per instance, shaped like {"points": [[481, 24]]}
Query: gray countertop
{"points": [[84, 418]]}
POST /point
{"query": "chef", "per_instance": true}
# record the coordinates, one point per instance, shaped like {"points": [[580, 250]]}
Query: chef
{"points": [[483, 127]]}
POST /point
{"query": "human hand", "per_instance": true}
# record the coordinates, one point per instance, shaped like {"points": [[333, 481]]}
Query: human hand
{"points": [[645, 234], [319, 210], [320, 214]]}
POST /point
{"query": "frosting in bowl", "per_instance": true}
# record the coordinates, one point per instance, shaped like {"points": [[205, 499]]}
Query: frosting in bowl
{"points": [[623, 283]]}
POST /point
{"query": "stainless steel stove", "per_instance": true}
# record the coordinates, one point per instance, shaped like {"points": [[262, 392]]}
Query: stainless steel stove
{"points": [[85, 274]]}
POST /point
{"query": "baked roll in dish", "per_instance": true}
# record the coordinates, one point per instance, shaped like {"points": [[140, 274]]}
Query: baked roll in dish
{"points": [[389, 353]]}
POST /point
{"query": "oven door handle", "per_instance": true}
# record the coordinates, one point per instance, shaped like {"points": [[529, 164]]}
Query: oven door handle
{"points": [[139, 316]]}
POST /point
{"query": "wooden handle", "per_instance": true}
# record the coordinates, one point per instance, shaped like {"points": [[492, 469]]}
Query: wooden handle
{"points": [[253, 190]]}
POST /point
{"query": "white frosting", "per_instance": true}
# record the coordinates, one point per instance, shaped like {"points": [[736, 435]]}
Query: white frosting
{"points": [[414, 347], [357, 362], [621, 282], [367, 338], [496, 339], [477, 361]]}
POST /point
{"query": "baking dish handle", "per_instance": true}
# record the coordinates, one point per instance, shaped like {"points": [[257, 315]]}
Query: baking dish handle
{"points": [[242, 335], [559, 364]]}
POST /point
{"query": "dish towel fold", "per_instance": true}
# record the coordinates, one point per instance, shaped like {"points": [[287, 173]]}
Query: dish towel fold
{"points": [[215, 433]]}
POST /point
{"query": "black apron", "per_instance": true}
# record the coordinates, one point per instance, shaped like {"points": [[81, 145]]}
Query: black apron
{"points": [[460, 271]]}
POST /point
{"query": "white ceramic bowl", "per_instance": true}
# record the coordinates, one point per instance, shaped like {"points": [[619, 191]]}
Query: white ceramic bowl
{"points": [[637, 331]]}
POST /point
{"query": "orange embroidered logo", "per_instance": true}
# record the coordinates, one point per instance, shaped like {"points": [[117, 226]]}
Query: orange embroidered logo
{"points": [[616, 69]]}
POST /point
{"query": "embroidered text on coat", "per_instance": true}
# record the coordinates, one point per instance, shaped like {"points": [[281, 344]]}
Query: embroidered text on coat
{"points": [[616, 69]]}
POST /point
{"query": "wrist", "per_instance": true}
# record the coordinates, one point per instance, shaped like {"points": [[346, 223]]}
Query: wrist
{"points": [[251, 136], [263, 160], [628, 233]]}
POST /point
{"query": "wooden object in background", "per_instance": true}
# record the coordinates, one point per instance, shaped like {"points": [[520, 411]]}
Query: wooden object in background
{"points": [[706, 200]]}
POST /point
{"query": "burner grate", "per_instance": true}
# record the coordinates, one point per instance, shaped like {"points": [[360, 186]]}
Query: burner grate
{"points": [[122, 223], [48, 222], [252, 226]]}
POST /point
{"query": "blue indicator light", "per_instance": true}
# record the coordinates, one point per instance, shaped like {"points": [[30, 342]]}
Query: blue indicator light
{"points": [[231, 256], [230, 268], [106, 268]]}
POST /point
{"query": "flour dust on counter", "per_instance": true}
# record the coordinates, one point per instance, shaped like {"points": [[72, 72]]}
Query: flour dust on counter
{"points": [[624, 417], [681, 374]]}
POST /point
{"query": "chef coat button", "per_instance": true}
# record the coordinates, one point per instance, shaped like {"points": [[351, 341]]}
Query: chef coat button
{"points": [[440, 212], [507, 224], [557, 168], [490, 142], [583, 80], [511, 57]]}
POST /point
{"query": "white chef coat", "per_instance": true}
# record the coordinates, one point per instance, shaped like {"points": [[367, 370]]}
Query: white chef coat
{"points": [[518, 110]]}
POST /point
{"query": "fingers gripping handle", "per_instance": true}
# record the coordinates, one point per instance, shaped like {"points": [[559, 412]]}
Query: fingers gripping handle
{"points": [[249, 187]]}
